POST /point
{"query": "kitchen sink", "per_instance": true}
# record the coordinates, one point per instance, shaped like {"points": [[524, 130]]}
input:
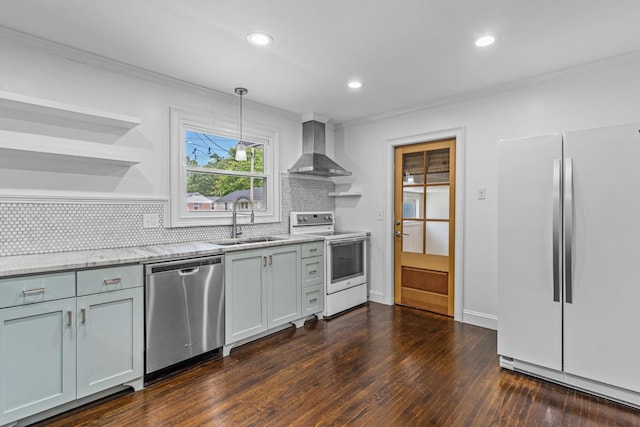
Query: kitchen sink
{"points": [[248, 240]]}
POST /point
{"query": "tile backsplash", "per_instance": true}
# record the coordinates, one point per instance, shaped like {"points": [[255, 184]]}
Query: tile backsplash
{"points": [[37, 228]]}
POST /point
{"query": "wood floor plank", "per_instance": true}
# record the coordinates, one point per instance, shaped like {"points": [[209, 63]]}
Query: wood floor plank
{"points": [[377, 365]]}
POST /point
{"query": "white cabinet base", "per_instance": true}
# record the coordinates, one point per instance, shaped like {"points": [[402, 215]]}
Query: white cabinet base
{"points": [[620, 395]]}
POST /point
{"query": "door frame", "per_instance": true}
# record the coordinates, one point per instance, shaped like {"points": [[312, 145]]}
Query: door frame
{"points": [[391, 143]]}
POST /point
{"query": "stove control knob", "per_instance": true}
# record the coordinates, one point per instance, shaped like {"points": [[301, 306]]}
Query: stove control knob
{"points": [[304, 219], [327, 217]]}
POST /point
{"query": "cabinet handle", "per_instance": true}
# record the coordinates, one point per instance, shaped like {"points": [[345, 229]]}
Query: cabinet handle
{"points": [[313, 271], [264, 261], [313, 300], [32, 291], [270, 260], [313, 250], [83, 312], [113, 281], [69, 318]]}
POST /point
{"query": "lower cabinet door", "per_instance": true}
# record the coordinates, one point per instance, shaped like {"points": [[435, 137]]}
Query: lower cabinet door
{"points": [[37, 358], [284, 285], [110, 339], [245, 294]]}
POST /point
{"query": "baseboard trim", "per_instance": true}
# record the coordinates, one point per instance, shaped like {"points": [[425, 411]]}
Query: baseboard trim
{"points": [[378, 296], [477, 318]]}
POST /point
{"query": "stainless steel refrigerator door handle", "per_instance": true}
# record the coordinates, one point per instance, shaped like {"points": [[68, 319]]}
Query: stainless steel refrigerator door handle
{"points": [[568, 229], [557, 221]]}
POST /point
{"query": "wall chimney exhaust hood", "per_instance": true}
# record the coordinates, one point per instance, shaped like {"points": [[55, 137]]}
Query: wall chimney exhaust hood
{"points": [[313, 160]]}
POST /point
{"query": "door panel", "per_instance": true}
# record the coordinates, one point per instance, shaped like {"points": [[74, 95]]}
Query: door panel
{"points": [[601, 339], [110, 338], [529, 320], [424, 224], [37, 358]]}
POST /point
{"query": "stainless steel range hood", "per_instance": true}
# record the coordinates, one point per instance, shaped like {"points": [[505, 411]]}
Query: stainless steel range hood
{"points": [[313, 160]]}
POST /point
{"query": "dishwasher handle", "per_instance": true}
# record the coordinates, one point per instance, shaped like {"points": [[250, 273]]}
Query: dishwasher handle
{"points": [[188, 271], [183, 267]]}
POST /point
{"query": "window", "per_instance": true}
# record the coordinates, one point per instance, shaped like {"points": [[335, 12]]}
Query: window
{"points": [[206, 180]]}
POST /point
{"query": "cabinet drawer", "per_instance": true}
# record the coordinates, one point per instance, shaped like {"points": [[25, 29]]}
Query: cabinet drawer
{"points": [[37, 288], [109, 279], [312, 271], [312, 300], [312, 249]]}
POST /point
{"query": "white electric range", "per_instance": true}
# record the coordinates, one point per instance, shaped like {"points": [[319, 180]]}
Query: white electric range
{"points": [[346, 259]]}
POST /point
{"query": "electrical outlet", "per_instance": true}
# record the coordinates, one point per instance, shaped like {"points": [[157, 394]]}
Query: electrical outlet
{"points": [[379, 215], [482, 193], [150, 221]]}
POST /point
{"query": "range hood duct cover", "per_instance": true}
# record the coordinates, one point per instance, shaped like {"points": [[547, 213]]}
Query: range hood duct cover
{"points": [[313, 160]]}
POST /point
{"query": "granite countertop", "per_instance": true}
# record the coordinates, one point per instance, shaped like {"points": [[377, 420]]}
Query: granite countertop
{"points": [[60, 261]]}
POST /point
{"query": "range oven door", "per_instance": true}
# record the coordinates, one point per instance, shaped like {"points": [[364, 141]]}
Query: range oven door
{"points": [[346, 263]]}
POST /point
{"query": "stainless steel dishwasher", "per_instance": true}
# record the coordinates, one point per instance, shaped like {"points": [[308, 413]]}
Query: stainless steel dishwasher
{"points": [[184, 310]]}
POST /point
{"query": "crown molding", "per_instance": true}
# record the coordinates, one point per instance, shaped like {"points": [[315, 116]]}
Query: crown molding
{"points": [[494, 89], [109, 64]]}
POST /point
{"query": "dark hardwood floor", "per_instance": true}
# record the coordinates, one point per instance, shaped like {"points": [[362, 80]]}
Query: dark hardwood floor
{"points": [[374, 366]]}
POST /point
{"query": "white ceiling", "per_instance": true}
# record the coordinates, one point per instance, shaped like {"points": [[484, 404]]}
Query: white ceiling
{"points": [[407, 52]]}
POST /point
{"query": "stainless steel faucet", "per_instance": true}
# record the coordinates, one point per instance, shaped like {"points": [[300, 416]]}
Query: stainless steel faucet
{"points": [[234, 231]]}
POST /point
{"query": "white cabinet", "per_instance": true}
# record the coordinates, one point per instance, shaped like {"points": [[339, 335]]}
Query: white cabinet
{"points": [[262, 290], [313, 290], [110, 339], [56, 347], [37, 358], [245, 294]]}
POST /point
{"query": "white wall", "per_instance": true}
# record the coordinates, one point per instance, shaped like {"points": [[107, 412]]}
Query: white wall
{"points": [[597, 95], [97, 84]]}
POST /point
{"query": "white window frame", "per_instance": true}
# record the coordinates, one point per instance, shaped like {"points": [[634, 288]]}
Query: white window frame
{"points": [[197, 121]]}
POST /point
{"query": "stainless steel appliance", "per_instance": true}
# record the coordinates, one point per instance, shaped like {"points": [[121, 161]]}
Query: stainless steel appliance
{"points": [[184, 310], [346, 259]]}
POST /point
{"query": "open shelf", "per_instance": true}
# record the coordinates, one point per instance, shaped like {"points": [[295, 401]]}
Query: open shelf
{"points": [[39, 147], [345, 194], [27, 108]]}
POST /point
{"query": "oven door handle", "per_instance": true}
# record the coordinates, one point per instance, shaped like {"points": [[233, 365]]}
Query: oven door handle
{"points": [[347, 240]]}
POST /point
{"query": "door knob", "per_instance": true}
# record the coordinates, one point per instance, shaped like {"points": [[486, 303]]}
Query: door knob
{"points": [[399, 234]]}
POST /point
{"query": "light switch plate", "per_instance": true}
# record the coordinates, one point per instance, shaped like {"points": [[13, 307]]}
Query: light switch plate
{"points": [[482, 193], [379, 215]]}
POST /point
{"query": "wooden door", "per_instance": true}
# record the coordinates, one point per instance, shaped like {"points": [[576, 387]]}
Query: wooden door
{"points": [[424, 224]]}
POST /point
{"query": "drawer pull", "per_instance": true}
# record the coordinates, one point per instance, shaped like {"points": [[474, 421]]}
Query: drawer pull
{"points": [[313, 300], [313, 272], [83, 312], [27, 292], [69, 314], [113, 281], [313, 250]]}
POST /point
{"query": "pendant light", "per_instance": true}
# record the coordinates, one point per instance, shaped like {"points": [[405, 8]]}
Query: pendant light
{"points": [[241, 148]]}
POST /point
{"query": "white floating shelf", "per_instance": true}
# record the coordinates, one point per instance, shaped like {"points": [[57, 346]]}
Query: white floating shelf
{"points": [[39, 146], [345, 194], [38, 110]]}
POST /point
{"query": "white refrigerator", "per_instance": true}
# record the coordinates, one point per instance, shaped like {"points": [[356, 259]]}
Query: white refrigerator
{"points": [[569, 259]]}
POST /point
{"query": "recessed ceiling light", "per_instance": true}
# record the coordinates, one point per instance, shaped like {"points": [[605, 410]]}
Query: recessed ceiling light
{"points": [[355, 84], [485, 41], [260, 39]]}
